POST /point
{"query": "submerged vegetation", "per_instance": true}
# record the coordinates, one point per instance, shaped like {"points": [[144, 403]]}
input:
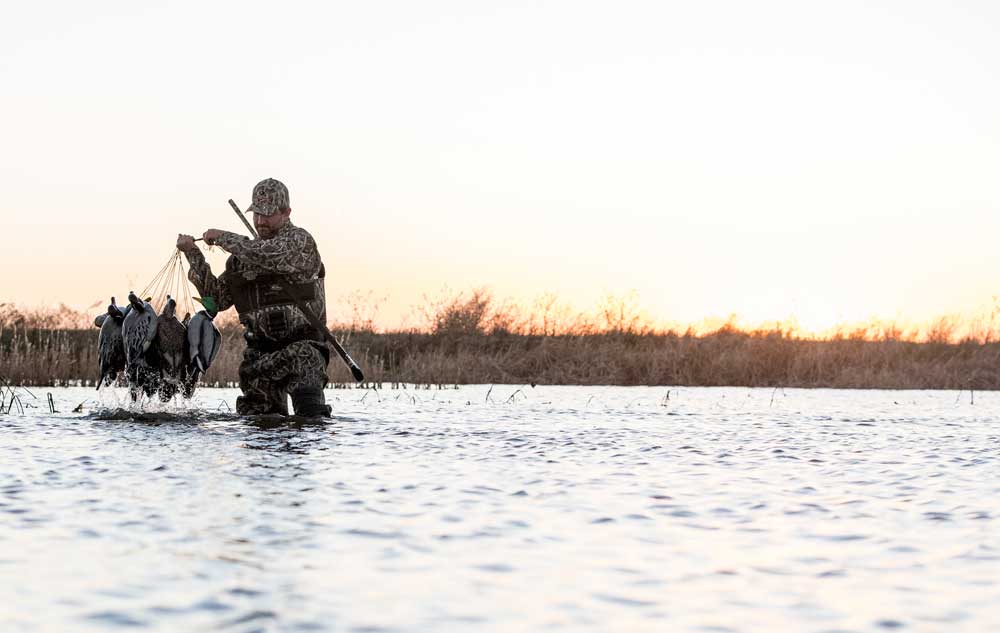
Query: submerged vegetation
{"points": [[473, 338]]}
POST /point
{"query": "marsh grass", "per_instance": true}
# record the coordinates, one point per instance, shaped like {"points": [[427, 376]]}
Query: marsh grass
{"points": [[472, 338]]}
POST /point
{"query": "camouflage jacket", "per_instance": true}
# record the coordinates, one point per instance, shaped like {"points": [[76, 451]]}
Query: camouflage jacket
{"points": [[258, 274]]}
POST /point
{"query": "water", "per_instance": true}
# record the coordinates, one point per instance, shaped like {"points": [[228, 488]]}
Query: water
{"points": [[553, 508]]}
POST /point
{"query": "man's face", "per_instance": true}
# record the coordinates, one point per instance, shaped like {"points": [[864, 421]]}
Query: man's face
{"points": [[267, 225]]}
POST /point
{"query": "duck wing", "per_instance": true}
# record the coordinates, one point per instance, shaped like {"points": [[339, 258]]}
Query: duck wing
{"points": [[134, 330], [205, 342], [152, 323], [171, 343], [194, 336], [110, 350], [214, 337]]}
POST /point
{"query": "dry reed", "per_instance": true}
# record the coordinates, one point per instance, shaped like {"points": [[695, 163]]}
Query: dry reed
{"points": [[471, 338]]}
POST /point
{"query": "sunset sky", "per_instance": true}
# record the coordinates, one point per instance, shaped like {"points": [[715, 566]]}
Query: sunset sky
{"points": [[825, 161]]}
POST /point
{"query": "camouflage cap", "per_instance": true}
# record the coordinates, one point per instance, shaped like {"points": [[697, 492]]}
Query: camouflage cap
{"points": [[270, 196]]}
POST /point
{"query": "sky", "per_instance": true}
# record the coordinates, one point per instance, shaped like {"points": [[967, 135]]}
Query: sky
{"points": [[827, 162]]}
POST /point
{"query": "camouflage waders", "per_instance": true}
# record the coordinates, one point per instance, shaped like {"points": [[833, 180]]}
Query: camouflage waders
{"points": [[298, 370]]}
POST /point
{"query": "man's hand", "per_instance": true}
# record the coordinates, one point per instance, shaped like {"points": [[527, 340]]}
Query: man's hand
{"points": [[184, 242], [211, 235]]}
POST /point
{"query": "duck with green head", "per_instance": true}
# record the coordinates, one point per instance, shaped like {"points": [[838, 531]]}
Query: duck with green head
{"points": [[204, 340]]}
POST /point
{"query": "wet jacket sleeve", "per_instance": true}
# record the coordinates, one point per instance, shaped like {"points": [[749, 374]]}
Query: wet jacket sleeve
{"points": [[290, 253], [200, 274]]}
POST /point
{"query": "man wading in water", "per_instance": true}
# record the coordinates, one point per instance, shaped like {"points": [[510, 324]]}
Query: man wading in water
{"points": [[285, 353]]}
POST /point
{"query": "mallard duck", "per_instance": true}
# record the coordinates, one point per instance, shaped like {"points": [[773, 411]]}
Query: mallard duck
{"points": [[204, 339]]}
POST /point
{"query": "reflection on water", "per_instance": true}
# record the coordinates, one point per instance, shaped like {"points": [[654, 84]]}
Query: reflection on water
{"points": [[574, 508]]}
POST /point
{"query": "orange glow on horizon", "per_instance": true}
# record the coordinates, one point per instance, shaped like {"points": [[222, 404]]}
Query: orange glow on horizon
{"points": [[549, 314]]}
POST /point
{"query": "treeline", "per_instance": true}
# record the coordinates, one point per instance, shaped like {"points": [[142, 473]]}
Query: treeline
{"points": [[473, 339]]}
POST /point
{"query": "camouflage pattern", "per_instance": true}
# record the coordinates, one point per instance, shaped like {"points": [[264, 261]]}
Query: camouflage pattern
{"points": [[291, 252], [266, 378], [270, 196]]}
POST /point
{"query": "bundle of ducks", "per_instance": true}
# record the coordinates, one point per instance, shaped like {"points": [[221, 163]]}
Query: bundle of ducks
{"points": [[156, 353]]}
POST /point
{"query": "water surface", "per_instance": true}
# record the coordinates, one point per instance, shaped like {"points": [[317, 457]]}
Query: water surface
{"points": [[511, 509]]}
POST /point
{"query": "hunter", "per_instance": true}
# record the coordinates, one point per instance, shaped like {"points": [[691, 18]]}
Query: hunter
{"points": [[286, 354]]}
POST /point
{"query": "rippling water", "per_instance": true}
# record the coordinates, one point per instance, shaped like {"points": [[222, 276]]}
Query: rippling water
{"points": [[563, 508]]}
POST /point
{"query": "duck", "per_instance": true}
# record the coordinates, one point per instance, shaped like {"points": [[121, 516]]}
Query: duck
{"points": [[110, 345], [204, 341], [171, 349], [138, 333]]}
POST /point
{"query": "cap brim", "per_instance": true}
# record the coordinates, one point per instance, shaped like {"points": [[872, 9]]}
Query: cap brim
{"points": [[256, 209]]}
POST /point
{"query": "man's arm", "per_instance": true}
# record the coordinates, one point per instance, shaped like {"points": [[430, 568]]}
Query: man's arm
{"points": [[292, 253], [200, 274]]}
